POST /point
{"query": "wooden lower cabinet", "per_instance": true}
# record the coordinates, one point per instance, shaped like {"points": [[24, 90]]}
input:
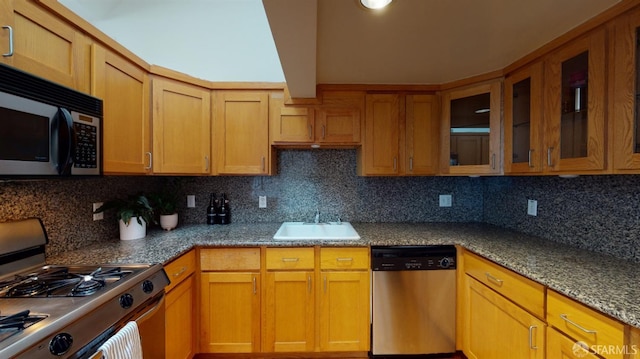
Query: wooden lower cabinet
{"points": [[289, 312], [179, 304], [344, 311], [498, 328], [230, 312], [179, 320], [562, 347]]}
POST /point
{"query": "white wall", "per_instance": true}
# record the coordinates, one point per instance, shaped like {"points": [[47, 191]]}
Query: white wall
{"points": [[217, 40]]}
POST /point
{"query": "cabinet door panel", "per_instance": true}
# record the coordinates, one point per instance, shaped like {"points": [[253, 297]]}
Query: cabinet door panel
{"points": [[241, 132], [626, 119], [497, 328], [561, 347], [382, 137], [45, 46], [179, 320], [575, 107], [230, 312], [421, 134], [181, 128], [523, 149], [338, 125], [290, 314], [124, 88], [344, 311]]}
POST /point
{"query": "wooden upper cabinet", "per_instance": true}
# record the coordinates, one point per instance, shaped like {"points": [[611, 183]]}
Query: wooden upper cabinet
{"points": [[421, 133], [523, 148], [626, 129], [334, 123], [43, 44], [181, 127], [400, 135], [575, 103], [241, 132], [125, 90], [380, 153], [470, 142]]}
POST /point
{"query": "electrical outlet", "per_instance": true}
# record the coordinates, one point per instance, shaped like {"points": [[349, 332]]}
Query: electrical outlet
{"points": [[532, 207], [191, 201], [262, 201], [445, 200], [97, 216]]}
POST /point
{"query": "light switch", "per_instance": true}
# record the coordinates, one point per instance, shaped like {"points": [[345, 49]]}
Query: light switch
{"points": [[445, 200], [262, 201], [191, 201], [532, 207]]}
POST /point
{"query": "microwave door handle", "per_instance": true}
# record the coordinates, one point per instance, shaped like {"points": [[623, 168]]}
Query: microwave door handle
{"points": [[66, 141]]}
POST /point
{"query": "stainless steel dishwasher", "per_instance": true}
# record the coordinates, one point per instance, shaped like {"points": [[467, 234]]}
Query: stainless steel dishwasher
{"points": [[413, 300]]}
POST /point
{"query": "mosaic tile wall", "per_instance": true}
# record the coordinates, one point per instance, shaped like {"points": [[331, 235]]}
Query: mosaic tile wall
{"points": [[600, 213]]}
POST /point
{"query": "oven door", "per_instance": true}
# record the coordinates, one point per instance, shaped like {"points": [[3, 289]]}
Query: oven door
{"points": [[150, 320]]}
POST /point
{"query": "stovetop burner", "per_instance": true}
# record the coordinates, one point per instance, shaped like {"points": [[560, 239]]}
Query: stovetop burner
{"points": [[61, 282], [12, 324]]}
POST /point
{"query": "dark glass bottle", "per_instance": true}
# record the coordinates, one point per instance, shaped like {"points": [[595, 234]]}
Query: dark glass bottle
{"points": [[224, 214], [211, 209]]}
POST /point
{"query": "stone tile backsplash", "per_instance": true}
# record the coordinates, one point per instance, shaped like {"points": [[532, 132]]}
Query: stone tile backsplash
{"points": [[593, 212]]}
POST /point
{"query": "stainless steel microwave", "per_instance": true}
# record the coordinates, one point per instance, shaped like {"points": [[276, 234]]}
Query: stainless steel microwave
{"points": [[47, 129]]}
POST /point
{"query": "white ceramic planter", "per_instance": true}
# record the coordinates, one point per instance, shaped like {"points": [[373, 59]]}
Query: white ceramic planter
{"points": [[168, 221], [133, 230]]}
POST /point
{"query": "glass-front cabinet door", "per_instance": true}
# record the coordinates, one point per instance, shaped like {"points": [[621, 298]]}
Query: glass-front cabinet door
{"points": [[575, 106], [471, 130], [626, 104], [523, 149]]}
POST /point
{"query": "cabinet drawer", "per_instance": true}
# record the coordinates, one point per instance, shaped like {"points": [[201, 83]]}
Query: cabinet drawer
{"points": [[344, 258], [290, 258], [180, 268], [223, 259], [522, 291], [561, 346], [584, 324]]}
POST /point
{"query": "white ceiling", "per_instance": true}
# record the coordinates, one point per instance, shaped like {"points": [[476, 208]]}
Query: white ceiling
{"points": [[337, 41]]}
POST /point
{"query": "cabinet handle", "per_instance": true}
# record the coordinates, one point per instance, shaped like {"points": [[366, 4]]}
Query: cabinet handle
{"points": [[150, 161], [290, 259], [10, 53], [410, 163], [309, 283], [566, 319], [531, 328], [549, 160], [495, 280], [325, 284], [395, 163], [262, 163], [530, 152], [206, 161], [493, 161], [182, 270], [345, 259], [310, 132], [255, 289], [324, 131]]}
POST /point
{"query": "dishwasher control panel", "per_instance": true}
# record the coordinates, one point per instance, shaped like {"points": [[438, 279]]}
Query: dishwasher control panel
{"points": [[402, 258]]}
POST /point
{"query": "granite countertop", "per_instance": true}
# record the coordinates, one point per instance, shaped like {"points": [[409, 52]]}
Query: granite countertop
{"points": [[605, 283]]}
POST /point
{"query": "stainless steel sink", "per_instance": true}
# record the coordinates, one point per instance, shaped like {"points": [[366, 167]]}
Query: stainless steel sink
{"points": [[302, 231]]}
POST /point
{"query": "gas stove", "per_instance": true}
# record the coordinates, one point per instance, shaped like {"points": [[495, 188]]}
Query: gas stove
{"points": [[54, 311]]}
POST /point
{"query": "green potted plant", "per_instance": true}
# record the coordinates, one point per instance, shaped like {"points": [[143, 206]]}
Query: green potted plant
{"points": [[165, 204], [134, 213]]}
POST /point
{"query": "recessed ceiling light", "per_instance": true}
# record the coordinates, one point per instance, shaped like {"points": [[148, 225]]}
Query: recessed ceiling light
{"points": [[375, 4]]}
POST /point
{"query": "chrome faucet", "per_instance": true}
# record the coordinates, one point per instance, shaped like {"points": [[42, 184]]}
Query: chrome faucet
{"points": [[317, 219]]}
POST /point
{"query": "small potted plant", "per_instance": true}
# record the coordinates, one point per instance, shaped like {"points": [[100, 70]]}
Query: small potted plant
{"points": [[134, 213], [165, 204]]}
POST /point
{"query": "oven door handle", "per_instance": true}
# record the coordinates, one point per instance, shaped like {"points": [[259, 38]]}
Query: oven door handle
{"points": [[158, 306]]}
